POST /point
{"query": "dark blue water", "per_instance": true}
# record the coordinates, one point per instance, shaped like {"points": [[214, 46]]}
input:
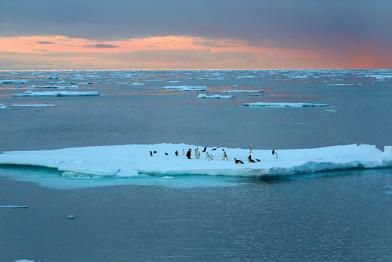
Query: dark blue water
{"points": [[337, 216]]}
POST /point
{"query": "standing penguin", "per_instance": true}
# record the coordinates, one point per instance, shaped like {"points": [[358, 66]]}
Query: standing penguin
{"points": [[176, 153], [150, 153], [197, 153], [274, 153], [204, 149], [188, 154], [224, 155]]}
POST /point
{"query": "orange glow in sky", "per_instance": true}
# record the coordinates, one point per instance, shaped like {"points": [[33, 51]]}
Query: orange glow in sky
{"points": [[168, 52]]}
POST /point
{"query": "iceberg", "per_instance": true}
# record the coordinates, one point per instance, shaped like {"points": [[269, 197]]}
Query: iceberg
{"points": [[214, 96], [59, 93], [14, 81], [284, 105], [186, 88], [135, 160]]}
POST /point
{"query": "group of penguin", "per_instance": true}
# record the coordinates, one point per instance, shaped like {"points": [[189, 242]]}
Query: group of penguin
{"points": [[188, 155]]}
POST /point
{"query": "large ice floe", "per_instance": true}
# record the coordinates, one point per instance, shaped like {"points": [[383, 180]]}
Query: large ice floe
{"points": [[185, 88], [59, 93], [135, 160], [214, 96], [284, 105]]}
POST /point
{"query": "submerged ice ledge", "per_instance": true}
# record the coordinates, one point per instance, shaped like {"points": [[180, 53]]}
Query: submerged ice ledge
{"points": [[135, 160]]}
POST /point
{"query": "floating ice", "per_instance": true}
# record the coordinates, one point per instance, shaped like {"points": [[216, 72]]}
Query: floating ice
{"points": [[32, 105], [344, 84], [135, 160], [60, 93], [2, 106], [14, 81], [238, 91], [186, 88], [14, 207], [55, 86], [284, 105], [137, 84], [213, 96]]}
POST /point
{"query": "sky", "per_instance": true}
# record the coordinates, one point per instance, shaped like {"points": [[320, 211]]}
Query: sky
{"points": [[195, 34]]}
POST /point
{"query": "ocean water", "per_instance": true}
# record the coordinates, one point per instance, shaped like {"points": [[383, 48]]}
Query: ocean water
{"points": [[329, 216]]}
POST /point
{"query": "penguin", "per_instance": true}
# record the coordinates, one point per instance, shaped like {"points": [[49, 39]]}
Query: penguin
{"points": [[258, 160], [155, 152], [274, 153], [204, 149], [197, 153], [166, 154], [238, 162], [150, 153], [188, 154], [250, 160], [224, 155], [176, 153], [215, 148], [250, 150]]}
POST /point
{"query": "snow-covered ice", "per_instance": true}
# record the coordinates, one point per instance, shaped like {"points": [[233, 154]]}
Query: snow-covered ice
{"points": [[59, 93], [135, 160], [284, 105], [214, 96], [32, 105], [137, 84], [239, 91], [13, 81], [55, 86], [186, 88]]}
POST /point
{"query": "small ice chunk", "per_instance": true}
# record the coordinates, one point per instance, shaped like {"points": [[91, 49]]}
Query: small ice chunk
{"points": [[186, 88], [214, 96], [24, 260], [71, 217], [137, 84], [59, 93], [2, 106], [330, 110], [284, 105]]}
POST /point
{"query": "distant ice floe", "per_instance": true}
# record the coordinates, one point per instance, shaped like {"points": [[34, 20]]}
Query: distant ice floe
{"points": [[330, 110], [284, 105], [55, 86], [238, 91], [214, 96], [2, 106], [137, 84], [186, 88], [380, 77], [344, 84], [135, 160], [32, 105], [14, 81], [59, 93], [24, 260]]}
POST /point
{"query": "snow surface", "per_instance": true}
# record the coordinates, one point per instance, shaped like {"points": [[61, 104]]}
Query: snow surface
{"points": [[13, 81], [213, 96], [284, 105], [60, 93], [135, 160], [186, 88]]}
